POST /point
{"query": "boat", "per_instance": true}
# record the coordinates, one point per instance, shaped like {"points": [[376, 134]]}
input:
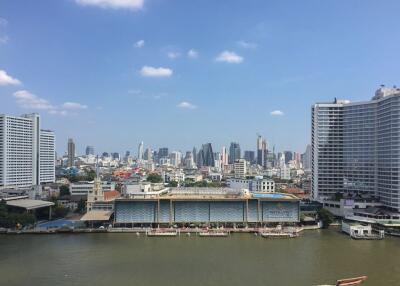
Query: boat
{"points": [[213, 234], [278, 234], [161, 233], [351, 281]]}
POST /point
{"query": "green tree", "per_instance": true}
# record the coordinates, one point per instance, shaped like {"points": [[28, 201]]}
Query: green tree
{"points": [[81, 206], [173, 184], [326, 217], [64, 191], [154, 178]]}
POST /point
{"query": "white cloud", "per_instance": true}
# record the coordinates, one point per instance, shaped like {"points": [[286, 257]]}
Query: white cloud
{"points": [[73, 105], [113, 4], [186, 105], [193, 54], [3, 39], [25, 99], [229, 57], [148, 71], [5, 79], [247, 45], [277, 113], [139, 44], [173, 55]]}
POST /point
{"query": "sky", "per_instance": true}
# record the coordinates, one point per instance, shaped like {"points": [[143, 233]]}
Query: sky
{"points": [[112, 73]]}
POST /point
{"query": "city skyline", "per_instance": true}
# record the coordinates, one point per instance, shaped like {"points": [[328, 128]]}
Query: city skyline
{"points": [[146, 69]]}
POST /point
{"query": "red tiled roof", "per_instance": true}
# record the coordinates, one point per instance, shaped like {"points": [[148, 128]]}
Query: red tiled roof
{"points": [[108, 196]]}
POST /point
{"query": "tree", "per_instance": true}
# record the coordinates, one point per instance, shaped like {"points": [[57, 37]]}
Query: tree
{"points": [[173, 184], [60, 212], [326, 217], [64, 191], [81, 206], [154, 178]]}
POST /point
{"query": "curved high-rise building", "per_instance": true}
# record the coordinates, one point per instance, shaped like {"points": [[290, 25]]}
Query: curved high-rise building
{"points": [[355, 148]]}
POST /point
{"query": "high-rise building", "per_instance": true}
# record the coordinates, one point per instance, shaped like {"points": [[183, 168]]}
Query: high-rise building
{"points": [[175, 158], [71, 152], [306, 158], [249, 156], [89, 150], [27, 153], [261, 151], [148, 154], [224, 156], [206, 156], [288, 156], [234, 152], [163, 153], [194, 152], [116, 156], [140, 151], [188, 162], [355, 148]]}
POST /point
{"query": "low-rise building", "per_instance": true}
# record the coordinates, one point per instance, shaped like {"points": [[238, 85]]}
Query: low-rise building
{"points": [[256, 184]]}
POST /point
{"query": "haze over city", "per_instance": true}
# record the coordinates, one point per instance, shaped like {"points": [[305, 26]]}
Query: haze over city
{"points": [[110, 75]]}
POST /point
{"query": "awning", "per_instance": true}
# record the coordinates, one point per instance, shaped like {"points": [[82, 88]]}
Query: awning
{"points": [[29, 204], [97, 215]]}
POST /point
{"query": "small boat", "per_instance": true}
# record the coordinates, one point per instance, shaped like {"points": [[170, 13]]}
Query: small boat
{"points": [[351, 281]]}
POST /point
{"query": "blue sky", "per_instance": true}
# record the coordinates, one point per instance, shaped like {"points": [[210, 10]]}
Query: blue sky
{"points": [[112, 73]]}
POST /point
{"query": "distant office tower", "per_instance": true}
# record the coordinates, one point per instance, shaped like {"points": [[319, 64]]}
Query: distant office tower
{"points": [[224, 156], [89, 150], [288, 156], [355, 148], [249, 156], [148, 154], [281, 160], [194, 152], [116, 156], [105, 155], [71, 152], [163, 153], [188, 162], [240, 168], [127, 154], [234, 152], [206, 156], [306, 161], [140, 151], [175, 158], [261, 151], [27, 153]]}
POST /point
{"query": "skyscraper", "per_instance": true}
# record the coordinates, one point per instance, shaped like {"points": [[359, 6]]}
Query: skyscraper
{"points": [[261, 151], [148, 154], [163, 153], [194, 152], [140, 151], [224, 156], [89, 150], [234, 152], [71, 152], [355, 148], [27, 153], [249, 156], [206, 156], [288, 156], [306, 161]]}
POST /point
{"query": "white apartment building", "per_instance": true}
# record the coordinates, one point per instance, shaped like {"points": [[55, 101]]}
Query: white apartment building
{"points": [[27, 153], [240, 168], [256, 185], [83, 188]]}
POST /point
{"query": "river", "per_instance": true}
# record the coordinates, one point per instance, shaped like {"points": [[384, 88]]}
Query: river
{"points": [[316, 257]]}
